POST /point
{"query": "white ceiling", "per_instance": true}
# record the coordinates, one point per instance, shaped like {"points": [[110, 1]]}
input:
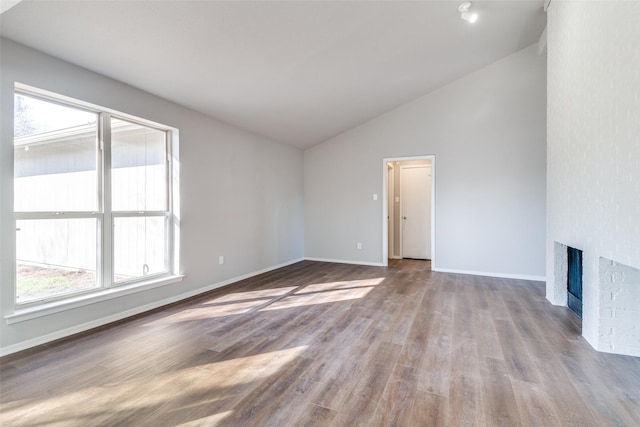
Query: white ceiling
{"points": [[298, 72]]}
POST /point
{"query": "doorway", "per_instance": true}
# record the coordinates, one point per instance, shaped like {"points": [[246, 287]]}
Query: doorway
{"points": [[409, 208], [415, 211]]}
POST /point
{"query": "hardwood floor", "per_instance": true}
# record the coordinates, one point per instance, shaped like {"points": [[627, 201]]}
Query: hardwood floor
{"points": [[332, 345]]}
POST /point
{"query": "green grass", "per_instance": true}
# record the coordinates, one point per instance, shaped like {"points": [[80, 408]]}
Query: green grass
{"points": [[36, 282]]}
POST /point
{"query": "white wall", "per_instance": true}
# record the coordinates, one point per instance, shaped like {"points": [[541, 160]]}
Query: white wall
{"points": [[594, 160], [487, 132], [241, 194]]}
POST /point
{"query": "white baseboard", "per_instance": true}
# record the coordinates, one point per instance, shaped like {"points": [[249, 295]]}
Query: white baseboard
{"points": [[486, 274], [24, 345], [343, 261]]}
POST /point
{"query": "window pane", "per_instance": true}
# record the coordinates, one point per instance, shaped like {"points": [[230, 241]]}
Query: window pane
{"points": [[138, 162], [54, 256], [54, 157], [139, 247]]}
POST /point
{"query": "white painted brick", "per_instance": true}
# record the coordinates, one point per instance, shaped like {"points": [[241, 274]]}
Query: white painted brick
{"points": [[628, 350], [593, 163]]}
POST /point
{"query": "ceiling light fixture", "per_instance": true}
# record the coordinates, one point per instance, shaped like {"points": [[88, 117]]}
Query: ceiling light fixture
{"points": [[465, 14]]}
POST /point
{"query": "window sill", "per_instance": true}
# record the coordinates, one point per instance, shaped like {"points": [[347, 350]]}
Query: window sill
{"points": [[47, 308]]}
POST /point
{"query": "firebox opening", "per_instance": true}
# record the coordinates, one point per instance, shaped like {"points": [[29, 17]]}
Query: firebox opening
{"points": [[574, 280]]}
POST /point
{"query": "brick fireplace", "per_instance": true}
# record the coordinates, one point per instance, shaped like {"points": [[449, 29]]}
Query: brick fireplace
{"points": [[593, 166], [610, 299]]}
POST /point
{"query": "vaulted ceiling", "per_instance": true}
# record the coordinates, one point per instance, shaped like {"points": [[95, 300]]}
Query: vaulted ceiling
{"points": [[298, 72]]}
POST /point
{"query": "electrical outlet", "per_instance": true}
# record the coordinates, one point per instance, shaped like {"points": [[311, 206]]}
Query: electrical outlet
{"points": [[221, 259], [359, 245]]}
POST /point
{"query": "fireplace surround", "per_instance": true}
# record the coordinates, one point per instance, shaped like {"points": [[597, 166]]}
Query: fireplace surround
{"points": [[610, 298]]}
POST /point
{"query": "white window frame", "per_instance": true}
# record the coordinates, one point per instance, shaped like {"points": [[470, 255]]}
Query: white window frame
{"points": [[106, 287]]}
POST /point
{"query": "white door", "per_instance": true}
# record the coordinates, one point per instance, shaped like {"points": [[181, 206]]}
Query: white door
{"points": [[415, 206]]}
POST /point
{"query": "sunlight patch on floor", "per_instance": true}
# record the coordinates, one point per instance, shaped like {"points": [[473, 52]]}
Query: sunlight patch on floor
{"points": [[321, 287], [212, 420], [174, 390], [207, 312], [232, 372], [242, 302], [300, 300], [242, 296]]}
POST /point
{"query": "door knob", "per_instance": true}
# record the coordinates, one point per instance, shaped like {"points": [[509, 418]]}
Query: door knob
{"points": [[404, 217]]}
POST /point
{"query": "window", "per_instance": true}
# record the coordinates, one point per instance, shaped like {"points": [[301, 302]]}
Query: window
{"points": [[92, 198]]}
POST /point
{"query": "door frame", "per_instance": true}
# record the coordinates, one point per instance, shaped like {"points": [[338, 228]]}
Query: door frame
{"points": [[385, 197], [391, 181]]}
